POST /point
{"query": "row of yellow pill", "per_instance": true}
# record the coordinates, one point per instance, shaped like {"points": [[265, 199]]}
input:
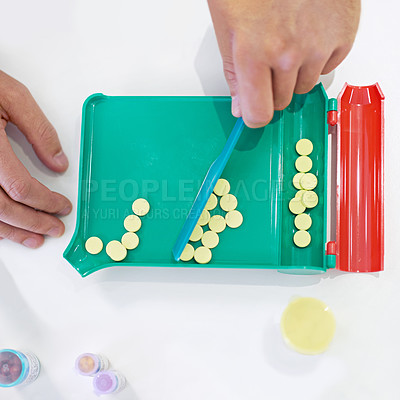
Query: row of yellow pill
{"points": [[304, 182], [118, 250]]}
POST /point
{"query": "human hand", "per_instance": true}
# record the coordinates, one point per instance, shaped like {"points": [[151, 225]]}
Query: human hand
{"points": [[28, 208], [272, 48]]}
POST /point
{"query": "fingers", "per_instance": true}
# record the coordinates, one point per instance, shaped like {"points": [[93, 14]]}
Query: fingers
{"points": [[308, 76], [24, 112], [336, 58], [284, 79], [283, 84], [254, 88], [22, 188], [307, 79], [28, 239], [21, 216], [21, 196], [266, 81]]}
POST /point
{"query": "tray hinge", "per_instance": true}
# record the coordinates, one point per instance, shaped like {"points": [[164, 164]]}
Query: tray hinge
{"points": [[332, 116], [331, 254]]}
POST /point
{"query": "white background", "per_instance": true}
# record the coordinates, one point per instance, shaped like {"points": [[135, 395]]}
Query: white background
{"points": [[183, 334]]}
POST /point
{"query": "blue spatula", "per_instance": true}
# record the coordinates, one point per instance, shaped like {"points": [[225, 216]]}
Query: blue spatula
{"points": [[206, 189]]}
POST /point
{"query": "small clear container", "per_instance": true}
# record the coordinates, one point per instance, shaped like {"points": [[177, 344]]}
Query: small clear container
{"points": [[107, 382], [89, 364]]}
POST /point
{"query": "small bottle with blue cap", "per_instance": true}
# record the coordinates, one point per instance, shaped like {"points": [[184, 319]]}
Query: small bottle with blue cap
{"points": [[17, 368]]}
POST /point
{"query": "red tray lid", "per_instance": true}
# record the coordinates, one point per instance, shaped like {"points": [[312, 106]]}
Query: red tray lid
{"points": [[359, 225]]}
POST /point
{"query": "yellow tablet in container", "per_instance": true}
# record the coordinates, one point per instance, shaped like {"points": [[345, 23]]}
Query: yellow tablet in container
{"points": [[308, 325], [304, 147]]}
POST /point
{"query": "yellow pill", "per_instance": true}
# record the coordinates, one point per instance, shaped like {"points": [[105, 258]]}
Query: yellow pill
{"points": [[228, 202], [303, 222], [301, 238], [303, 164], [187, 253], [140, 207], [202, 255], [116, 250], [196, 234], [94, 245], [296, 180], [217, 223], [304, 147], [296, 206], [234, 219], [299, 194], [222, 187], [210, 239], [130, 240], [204, 218], [309, 199], [308, 181], [212, 202], [308, 325], [132, 223]]}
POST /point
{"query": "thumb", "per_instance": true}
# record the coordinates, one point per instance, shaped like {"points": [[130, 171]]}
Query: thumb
{"points": [[24, 112], [231, 80]]}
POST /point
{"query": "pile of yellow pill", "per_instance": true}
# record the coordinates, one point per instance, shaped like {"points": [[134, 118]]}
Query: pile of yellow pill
{"points": [[118, 250], [209, 238], [305, 198]]}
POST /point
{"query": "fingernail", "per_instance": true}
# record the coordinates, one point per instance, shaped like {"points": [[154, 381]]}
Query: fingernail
{"points": [[31, 243], [66, 210], [54, 232], [236, 107], [61, 159]]}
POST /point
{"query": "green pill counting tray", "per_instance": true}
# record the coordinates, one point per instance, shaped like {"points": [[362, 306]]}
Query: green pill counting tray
{"points": [[160, 149]]}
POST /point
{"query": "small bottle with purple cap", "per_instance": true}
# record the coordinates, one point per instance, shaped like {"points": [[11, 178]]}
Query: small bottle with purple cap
{"points": [[107, 382], [89, 364]]}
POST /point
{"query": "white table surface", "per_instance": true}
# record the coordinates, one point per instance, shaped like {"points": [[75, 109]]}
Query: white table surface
{"points": [[183, 334]]}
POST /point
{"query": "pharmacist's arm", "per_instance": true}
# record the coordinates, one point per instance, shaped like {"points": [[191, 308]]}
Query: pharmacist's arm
{"points": [[272, 48], [28, 209]]}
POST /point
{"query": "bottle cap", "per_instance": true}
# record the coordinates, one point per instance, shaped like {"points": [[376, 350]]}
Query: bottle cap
{"points": [[13, 368], [87, 364], [105, 382]]}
